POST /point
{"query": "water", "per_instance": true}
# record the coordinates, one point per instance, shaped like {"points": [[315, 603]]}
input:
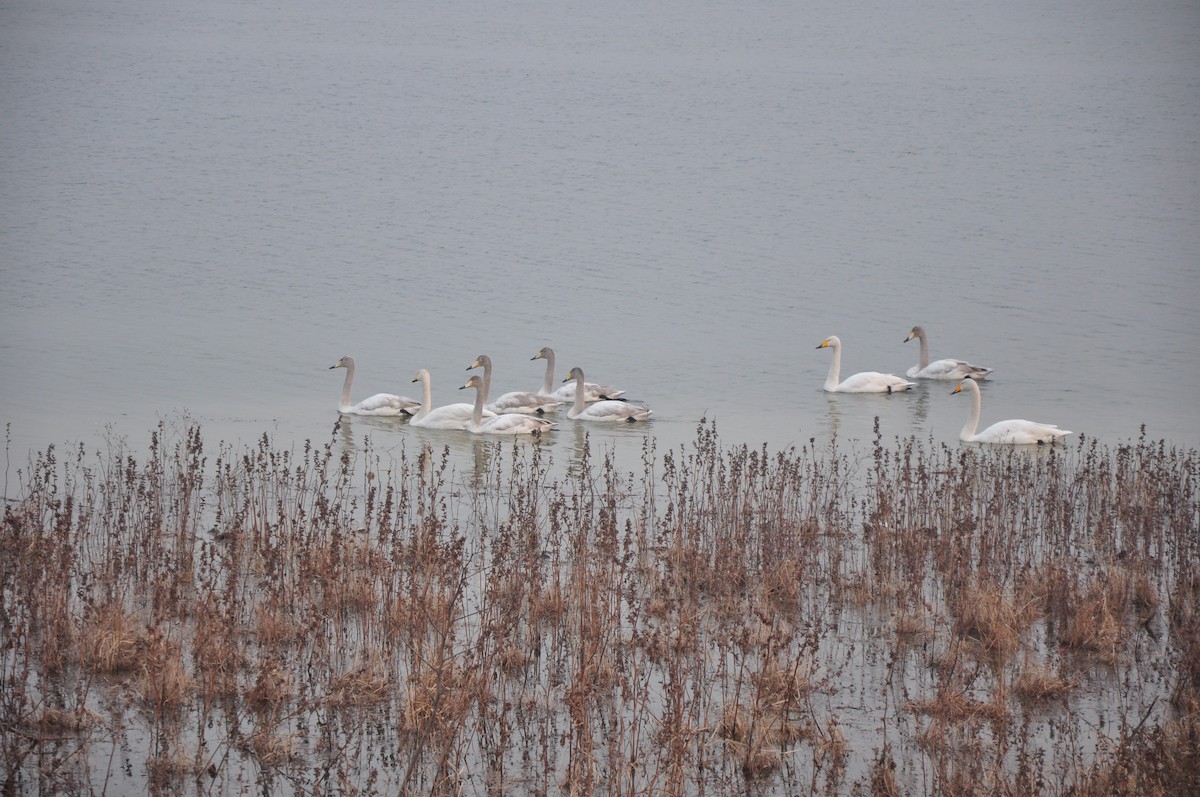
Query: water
{"points": [[205, 206]]}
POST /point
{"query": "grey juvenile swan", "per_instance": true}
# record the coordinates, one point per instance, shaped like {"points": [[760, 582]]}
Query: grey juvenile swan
{"points": [[941, 369], [605, 409], [379, 404], [507, 423], [566, 393], [525, 402]]}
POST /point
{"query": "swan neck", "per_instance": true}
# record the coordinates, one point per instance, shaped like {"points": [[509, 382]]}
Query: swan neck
{"points": [[487, 385], [548, 385], [577, 407], [347, 383], [968, 431], [426, 398], [924, 350], [835, 367], [477, 410]]}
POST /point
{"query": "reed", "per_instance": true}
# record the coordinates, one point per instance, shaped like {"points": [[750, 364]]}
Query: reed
{"points": [[897, 619]]}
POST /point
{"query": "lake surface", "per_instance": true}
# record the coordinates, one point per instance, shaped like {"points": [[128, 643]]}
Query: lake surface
{"points": [[206, 205]]}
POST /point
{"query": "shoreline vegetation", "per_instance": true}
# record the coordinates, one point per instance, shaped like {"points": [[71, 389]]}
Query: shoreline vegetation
{"points": [[904, 618]]}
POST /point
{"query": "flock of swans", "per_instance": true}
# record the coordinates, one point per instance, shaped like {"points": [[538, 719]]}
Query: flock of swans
{"points": [[524, 412], [1011, 432], [516, 412]]}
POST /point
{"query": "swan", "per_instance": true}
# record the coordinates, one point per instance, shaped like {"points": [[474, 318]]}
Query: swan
{"points": [[941, 369], [605, 409], [865, 382], [566, 393], [379, 404], [1015, 432], [526, 403], [507, 423], [449, 416]]}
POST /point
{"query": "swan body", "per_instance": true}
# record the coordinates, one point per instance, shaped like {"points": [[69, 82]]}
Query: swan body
{"points": [[864, 382], [448, 416], [1014, 432], [506, 423], [566, 393], [523, 402], [379, 404], [610, 410], [941, 369]]}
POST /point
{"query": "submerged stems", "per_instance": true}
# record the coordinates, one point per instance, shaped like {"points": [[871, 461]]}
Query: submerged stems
{"points": [[911, 617]]}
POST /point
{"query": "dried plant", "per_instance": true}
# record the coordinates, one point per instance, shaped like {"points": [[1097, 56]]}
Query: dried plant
{"points": [[1037, 684], [703, 620]]}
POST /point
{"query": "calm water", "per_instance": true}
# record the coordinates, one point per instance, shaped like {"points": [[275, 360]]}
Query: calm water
{"points": [[205, 205]]}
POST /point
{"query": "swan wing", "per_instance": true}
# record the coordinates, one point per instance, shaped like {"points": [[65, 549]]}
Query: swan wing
{"points": [[591, 392], [873, 382], [514, 423], [449, 416], [526, 403], [612, 411], [1020, 432], [949, 369], [385, 404]]}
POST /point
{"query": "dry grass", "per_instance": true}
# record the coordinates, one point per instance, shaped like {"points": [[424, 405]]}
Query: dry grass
{"points": [[723, 620], [166, 772], [1038, 684], [987, 614], [273, 687], [883, 776], [49, 722], [367, 684], [163, 680], [1161, 761], [269, 749], [952, 706], [1095, 622], [111, 640], [276, 625]]}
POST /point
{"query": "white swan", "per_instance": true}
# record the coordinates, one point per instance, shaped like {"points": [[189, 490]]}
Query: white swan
{"points": [[448, 416], [865, 382], [941, 369], [507, 423], [566, 393], [524, 402], [1015, 432], [605, 409], [379, 404]]}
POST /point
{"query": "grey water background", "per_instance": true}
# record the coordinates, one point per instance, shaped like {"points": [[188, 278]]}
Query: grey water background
{"points": [[206, 204]]}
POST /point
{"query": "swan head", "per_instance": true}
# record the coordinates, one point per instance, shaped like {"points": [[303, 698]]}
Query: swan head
{"points": [[422, 374], [959, 387], [475, 382], [832, 340], [343, 362], [576, 373], [917, 332], [482, 361], [544, 353]]}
